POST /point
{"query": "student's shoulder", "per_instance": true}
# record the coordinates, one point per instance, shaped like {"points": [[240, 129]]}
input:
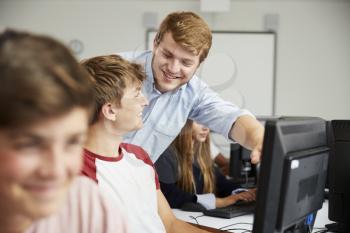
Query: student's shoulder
{"points": [[168, 155], [86, 205], [133, 148], [82, 201], [85, 193], [196, 85], [83, 183], [167, 165], [138, 151]]}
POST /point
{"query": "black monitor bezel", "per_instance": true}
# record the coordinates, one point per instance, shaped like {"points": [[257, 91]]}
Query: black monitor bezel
{"points": [[268, 194], [338, 175]]}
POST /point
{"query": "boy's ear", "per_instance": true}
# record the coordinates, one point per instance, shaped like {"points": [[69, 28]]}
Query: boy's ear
{"points": [[109, 111], [155, 45]]}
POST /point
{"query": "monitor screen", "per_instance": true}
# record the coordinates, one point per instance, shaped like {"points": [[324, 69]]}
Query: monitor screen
{"points": [[339, 175], [292, 174]]}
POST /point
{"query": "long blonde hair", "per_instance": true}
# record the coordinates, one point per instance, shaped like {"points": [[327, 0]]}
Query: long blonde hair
{"points": [[187, 150]]}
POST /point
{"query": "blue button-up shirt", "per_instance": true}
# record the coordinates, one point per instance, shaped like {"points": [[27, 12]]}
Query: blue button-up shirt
{"points": [[167, 112]]}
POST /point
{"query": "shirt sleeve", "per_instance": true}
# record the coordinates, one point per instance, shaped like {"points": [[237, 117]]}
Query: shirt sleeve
{"points": [[141, 154], [214, 150], [224, 186], [166, 167], [108, 217], [211, 110], [175, 196], [207, 200]]}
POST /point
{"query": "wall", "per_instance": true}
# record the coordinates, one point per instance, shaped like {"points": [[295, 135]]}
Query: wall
{"points": [[313, 50]]}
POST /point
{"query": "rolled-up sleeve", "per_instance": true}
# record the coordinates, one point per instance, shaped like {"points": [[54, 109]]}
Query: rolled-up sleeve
{"points": [[211, 110]]}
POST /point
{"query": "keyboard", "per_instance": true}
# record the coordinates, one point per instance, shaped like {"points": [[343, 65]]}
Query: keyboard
{"points": [[232, 211]]}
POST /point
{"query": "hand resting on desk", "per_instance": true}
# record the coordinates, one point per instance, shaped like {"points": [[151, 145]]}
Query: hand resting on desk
{"points": [[246, 196], [242, 198]]}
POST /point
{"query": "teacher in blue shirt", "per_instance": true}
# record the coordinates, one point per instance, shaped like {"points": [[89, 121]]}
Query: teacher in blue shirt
{"points": [[175, 93]]}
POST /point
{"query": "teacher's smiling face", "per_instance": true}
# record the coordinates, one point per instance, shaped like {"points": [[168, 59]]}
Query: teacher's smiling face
{"points": [[172, 65]]}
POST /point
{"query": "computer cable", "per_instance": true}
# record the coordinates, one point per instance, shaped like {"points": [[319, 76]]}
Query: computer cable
{"points": [[234, 224], [238, 229], [195, 218]]}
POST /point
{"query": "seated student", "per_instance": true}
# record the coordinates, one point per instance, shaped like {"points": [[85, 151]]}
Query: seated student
{"points": [[45, 101], [123, 170], [186, 172]]}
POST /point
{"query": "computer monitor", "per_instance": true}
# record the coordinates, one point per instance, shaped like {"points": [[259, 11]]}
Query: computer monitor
{"points": [[241, 171], [292, 174], [339, 176]]}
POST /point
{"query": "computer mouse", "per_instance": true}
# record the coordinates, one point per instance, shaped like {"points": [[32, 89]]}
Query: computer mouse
{"points": [[192, 207]]}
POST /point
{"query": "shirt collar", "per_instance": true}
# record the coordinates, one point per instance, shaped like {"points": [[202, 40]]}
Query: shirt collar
{"points": [[148, 68]]}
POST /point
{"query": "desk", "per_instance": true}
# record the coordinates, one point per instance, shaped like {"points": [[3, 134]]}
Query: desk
{"points": [[321, 219]]}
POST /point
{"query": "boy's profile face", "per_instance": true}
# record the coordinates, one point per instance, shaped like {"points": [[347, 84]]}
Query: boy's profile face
{"points": [[38, 163], [129, 113], [172, 65]]}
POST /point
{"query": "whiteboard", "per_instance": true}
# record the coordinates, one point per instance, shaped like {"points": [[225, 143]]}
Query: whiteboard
{"points": [[240, 67]]}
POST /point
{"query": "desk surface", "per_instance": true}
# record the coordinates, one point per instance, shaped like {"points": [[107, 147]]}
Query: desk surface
{"points": [[321, 219]]}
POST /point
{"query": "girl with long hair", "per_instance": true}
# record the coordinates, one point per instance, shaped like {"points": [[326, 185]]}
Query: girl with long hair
{"points": [[186, 172]]}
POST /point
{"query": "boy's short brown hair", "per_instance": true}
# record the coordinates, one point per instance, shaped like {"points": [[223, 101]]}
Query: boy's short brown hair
{"points": [[189, 30], [110, 75], [39, 78]]}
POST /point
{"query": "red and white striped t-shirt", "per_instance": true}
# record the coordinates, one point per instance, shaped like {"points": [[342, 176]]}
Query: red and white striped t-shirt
{"points": [[131, 181]]}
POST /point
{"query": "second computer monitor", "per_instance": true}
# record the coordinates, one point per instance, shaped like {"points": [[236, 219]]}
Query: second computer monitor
{"points": [[339, 176], [242, 171]]}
